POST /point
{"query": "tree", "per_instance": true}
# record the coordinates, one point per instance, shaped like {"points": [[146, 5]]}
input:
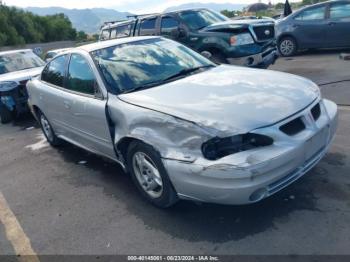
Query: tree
{"points": [[19, 27], [82, 36]]}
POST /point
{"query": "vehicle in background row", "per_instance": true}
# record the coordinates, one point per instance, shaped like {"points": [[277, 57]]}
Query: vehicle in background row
{"points": [[325, 25], [184, 127], [16, 68], [52, 53], [240, 42]]}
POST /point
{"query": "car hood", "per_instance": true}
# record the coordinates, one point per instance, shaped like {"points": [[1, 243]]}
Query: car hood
{"points": [[21, 75], [234, 24], [230, 99]]}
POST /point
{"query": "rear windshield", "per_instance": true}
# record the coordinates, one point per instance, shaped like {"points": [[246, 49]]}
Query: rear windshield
{"points": [[13, 62]]}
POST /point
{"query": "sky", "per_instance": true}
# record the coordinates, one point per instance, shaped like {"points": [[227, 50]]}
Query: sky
{"points": [[135, 6]]}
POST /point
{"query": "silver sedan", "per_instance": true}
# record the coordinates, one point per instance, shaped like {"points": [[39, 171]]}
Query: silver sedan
{"points": [[183, 127]]}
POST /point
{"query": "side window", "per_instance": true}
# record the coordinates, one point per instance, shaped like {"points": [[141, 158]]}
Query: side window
{"points": [[340, 10], [317, 13], [105, 35], [123, 31], [54, 71], [168, 24], [113, 33], [148, 26], [80, 76]]}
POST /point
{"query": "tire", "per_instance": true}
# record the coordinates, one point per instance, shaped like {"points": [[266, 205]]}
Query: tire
{"points": [[5, 114], [48, 130], [149, 175], [287, 46]]}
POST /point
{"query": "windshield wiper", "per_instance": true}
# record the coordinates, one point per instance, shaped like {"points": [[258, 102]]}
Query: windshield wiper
{"points": [[157, 83], [145, 86], [187, 71]]}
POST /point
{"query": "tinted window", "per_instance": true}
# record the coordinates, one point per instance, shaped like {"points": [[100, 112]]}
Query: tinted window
{"points": [[54, 71], [105, 35], [123, 30], [312, 14], [148, 26], [340, 11], [168, 24], [80, 76], [149, 62]]}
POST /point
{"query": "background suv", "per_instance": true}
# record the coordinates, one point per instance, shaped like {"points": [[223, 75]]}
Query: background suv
{"points": [[240, 42]]}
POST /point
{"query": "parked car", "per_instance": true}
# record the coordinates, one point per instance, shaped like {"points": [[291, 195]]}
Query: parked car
{"points": [[52, 53], [240, 42], [184, 127], [325, 25], [16, 68]]}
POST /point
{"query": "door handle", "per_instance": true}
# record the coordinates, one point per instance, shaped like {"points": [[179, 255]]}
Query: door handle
{"points": [[66, 104], [331, 23], [295, 26]]}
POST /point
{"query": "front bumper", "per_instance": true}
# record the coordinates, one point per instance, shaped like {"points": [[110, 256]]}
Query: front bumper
{"points": [[251, 176], [261, 60]]}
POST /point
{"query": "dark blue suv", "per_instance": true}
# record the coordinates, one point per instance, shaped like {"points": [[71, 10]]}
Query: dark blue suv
{"points": [[325, 25]]}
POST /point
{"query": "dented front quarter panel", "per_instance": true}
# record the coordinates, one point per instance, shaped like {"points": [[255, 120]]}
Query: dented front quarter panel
{"points": [[172, 137]]}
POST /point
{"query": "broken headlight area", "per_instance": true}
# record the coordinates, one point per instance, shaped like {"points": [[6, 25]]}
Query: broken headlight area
{"points": [[217, 148]]}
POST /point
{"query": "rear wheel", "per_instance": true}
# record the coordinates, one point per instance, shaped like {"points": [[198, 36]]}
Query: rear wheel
{"points": [[48, 131], [287, 46], [150, 176], [5, 114]]}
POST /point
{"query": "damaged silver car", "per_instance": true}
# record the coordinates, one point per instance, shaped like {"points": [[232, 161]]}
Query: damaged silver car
{"points": [[183, 127]]}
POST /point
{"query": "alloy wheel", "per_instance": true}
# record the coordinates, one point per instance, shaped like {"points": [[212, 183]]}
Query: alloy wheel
{"points": [[147, 175], [46, 128], [287, 47]]}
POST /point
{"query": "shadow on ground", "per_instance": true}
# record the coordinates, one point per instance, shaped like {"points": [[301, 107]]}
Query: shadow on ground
{"points": [[188, 220]]}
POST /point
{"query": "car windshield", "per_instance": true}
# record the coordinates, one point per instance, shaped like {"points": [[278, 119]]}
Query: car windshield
{"points": [[199, 19], [12, 62], [132, 66]]}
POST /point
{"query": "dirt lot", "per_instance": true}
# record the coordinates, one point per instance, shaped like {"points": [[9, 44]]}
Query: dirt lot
{"points": [[65, 207]]}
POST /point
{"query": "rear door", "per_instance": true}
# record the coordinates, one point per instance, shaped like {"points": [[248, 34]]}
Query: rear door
{"points": [[310, 27], [51, 95], [85, 107], [148, 26], [338, 24]]}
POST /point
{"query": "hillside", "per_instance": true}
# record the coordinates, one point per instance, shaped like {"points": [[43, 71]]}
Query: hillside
{"points": [[88, 20]]}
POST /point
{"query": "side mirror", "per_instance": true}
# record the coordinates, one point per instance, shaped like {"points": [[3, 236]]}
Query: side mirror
{"points": [[178, 33]]}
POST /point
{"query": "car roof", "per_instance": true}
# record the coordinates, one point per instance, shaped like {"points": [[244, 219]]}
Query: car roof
{"points": [[15, 51], [114, 42], [112, 24], [60, 50]]}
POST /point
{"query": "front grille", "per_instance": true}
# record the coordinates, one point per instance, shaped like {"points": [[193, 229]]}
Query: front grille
{"points": [[316, 112], [264, 32], [293, 127]]}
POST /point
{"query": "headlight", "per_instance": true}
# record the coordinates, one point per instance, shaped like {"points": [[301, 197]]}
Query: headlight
{"points": [[217, 148], [241, 39], [8, 85]]}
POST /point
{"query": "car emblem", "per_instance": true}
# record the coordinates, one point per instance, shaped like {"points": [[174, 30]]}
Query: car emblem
{"points": [[267, 32]]}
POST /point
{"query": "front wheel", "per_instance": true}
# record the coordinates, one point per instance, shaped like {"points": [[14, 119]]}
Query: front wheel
{"points": [[149, 175], [287, 46], [48, 131]]}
